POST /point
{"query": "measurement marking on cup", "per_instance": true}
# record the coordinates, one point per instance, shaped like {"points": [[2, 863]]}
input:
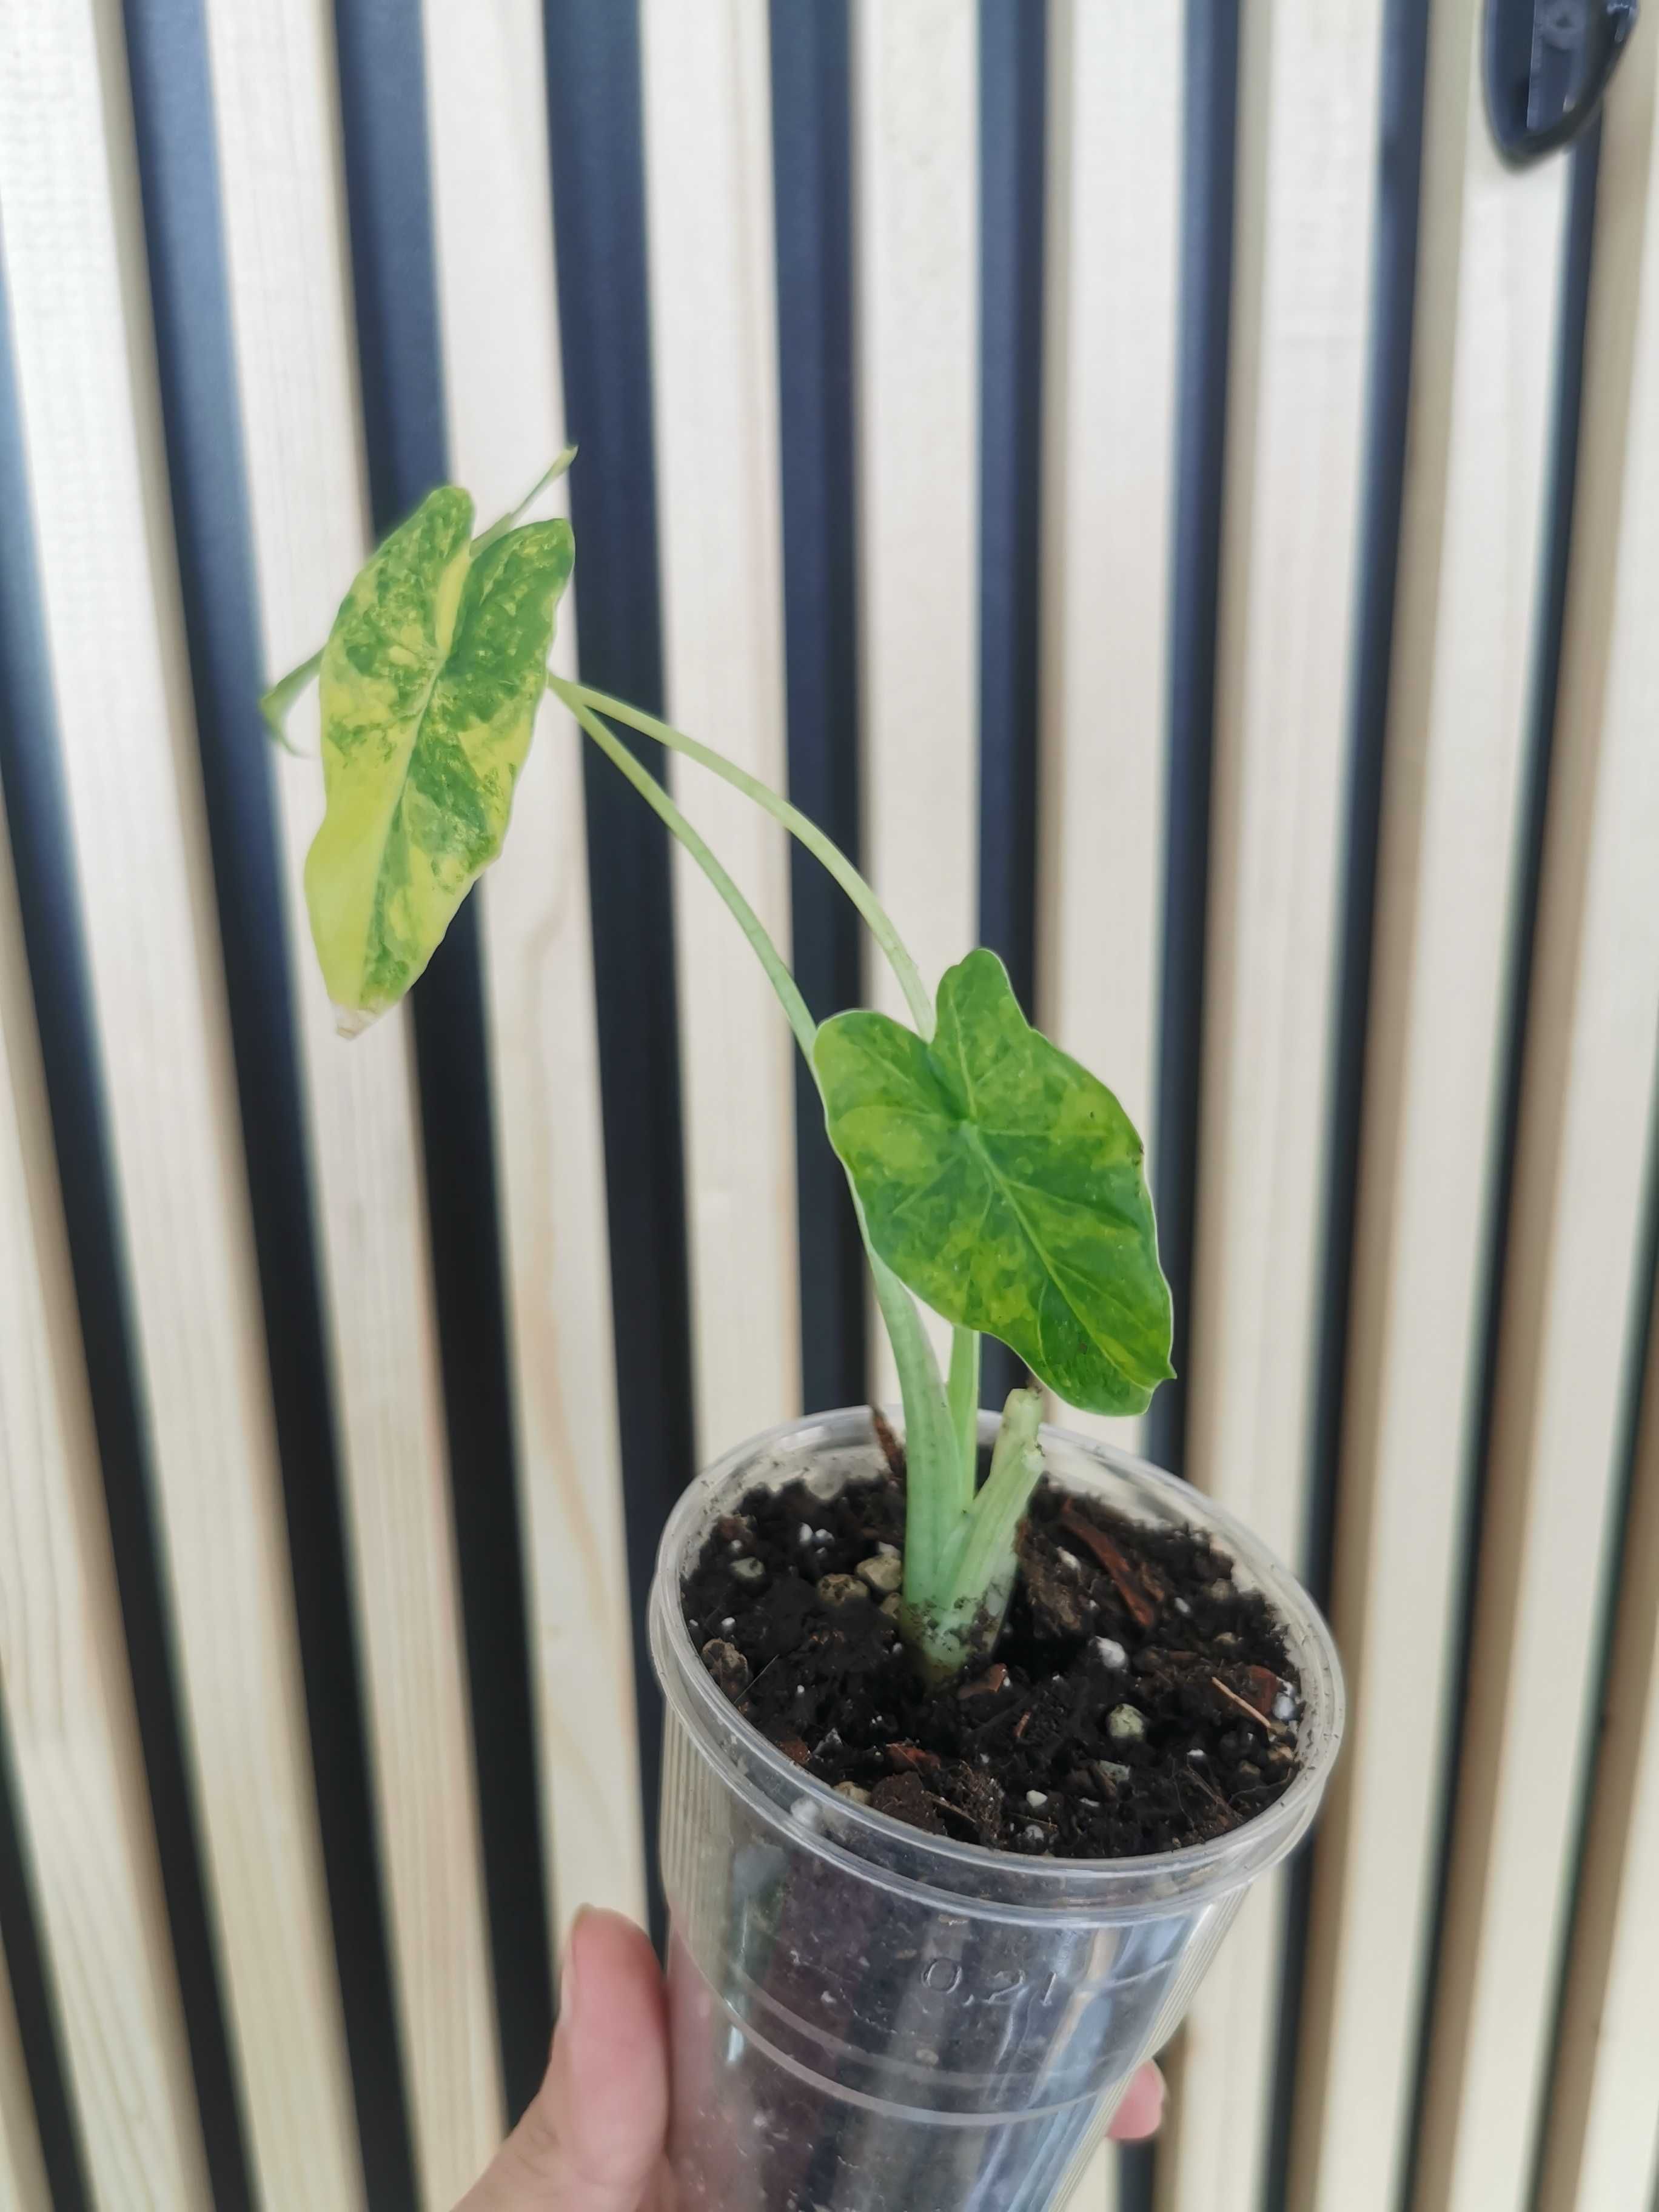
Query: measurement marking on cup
{"points": [[944, 1977]]}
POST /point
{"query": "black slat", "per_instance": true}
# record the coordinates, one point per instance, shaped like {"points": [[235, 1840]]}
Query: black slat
{"points": [[383, 97], [1012, 169], [48, 898], [1210, 132], [178, 175], [39, 2028], [1394, 300], [812, 171], [1210, 135], [599, 202], [1556, 533]]}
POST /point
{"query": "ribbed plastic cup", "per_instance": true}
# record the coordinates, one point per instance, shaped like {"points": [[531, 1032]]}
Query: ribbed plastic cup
{"points": [[867, 2019]]}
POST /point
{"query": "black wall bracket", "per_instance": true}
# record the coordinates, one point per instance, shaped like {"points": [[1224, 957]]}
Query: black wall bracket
{"points": [[1547, 63]]}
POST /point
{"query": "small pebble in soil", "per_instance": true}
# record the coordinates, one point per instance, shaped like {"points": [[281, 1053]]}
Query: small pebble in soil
{"points": [[891, 1607], [1035, 1835], [1036, 1799], [1111, 1772], [1069, 1560], [840, 1589], [1196, 1754], [804, 1534], [1284, 1706], [728, 1624], [853, 1793], [1125, 1723], [1110, 1653], [748, 1570], [883, 1573]]}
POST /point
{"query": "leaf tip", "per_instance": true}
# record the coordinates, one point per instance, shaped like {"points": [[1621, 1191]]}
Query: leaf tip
{"points": [[351, 1021]]}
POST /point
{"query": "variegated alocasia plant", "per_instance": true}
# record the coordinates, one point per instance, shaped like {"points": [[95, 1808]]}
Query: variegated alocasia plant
{"points": [[993, 1177]]}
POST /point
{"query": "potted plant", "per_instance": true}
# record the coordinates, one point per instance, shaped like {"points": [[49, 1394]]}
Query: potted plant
{"points": [[977, 1733]]}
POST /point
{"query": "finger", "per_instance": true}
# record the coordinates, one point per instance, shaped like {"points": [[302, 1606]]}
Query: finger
{"points": [[1142, 2107], [593, 2137]]}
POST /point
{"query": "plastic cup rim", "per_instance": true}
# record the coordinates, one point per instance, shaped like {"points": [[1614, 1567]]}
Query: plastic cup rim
{"points": [[1274, 1833]]}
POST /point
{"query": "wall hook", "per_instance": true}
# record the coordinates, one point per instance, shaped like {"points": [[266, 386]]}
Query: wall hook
{"points": [[1547, 63]]}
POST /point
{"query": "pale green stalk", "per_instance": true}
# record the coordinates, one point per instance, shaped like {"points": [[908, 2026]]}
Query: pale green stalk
{"points": [[747, 919], [964, 1392], [822, 848]]}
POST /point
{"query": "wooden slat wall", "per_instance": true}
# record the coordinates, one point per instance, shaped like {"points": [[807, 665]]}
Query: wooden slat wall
{"points": [[86, 373], [1113, 299], [504, 386], [23, 2183], [275, 102], [1472, 1476], [713, 311], [68, 1702], [1469, 563], [1306, 181]]}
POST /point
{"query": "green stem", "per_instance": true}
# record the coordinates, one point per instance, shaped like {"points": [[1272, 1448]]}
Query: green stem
{"points": [[933, 1517], [747, 919], [822, 848], [964, 1392], [987, 1560]]}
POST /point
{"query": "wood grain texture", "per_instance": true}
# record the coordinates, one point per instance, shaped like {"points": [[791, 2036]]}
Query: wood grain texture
{"points": [[915, 197], [1601, 2149], [22, 2170], [68, 200], [492, 210], [707, 105], [1113, 282], [69, 1718], [1488, 272], [277, 112], [1301, 302], [1576, 1276]]}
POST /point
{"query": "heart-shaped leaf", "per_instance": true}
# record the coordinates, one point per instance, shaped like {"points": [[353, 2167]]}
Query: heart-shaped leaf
{"points": [[1002, 1183], [430, 681]]}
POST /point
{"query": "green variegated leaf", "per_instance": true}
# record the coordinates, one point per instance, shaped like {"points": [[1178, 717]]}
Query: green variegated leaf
{"points": [[1002, 1183], [430, 681]]}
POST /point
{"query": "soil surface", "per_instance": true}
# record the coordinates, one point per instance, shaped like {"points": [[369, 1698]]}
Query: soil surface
{"points": [[1139, 1700]]}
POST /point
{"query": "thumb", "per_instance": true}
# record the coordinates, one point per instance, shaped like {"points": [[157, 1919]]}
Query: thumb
{"points": [[591, 2140]]}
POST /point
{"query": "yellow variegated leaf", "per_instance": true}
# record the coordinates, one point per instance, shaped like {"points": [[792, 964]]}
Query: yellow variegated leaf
{"points": [[430, 681]]}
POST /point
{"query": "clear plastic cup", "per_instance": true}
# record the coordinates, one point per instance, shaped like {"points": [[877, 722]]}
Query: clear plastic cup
{"points": [[868, 2019]]}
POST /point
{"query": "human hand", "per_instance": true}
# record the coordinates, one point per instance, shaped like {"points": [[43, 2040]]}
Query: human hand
{"points": [[592, 2138]]}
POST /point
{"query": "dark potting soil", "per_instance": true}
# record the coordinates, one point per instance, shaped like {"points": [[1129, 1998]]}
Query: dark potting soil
{"points": [[1138, 1699]]}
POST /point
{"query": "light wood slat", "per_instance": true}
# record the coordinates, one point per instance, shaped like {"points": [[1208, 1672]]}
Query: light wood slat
{"points": [[1301, 304], [69, 1716], [916, 258], [22, 2170], [1115, 172], [1097, 2190], [1575, 1270], [707, 99], [276, 111], [1488, 274], [492, 208], [68, 195], [1601, 2152]]}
